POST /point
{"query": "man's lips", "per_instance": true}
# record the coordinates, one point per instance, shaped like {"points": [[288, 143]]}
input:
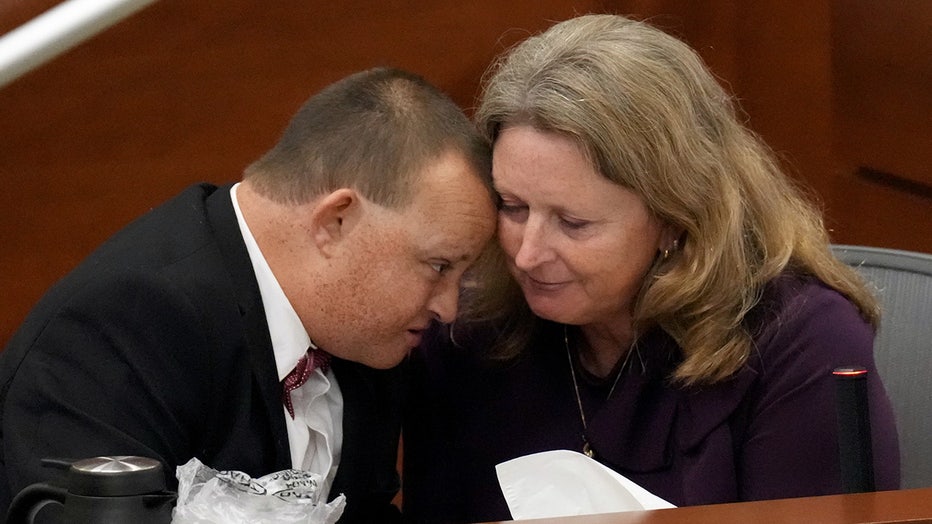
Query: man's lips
{"points": [[416, 334], [419, 329]]}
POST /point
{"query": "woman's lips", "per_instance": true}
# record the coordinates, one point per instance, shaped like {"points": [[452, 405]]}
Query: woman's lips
{"points": [[543, 285]]}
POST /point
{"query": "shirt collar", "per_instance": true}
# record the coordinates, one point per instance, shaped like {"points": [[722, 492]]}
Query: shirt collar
{"points": [[289, 338]]}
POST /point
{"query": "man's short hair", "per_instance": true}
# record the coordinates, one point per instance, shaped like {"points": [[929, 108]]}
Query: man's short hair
{"points": [[374, 131]]}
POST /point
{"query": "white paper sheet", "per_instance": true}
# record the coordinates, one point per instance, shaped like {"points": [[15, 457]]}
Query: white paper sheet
{"points": [[563, 483]]}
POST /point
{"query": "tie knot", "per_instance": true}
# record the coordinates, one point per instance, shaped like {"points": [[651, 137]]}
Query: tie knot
{"points": [[314, 359]]}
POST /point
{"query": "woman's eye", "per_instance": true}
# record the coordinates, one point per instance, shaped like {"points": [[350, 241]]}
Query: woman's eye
{"points": [[439, 267]]}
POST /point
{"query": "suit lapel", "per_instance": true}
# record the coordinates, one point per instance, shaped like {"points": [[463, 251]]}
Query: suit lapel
{"points": [[222, 218], [356, 395]]}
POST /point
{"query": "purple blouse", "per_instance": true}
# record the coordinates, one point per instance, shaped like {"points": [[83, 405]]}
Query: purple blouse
{"points": [[768, 432]]}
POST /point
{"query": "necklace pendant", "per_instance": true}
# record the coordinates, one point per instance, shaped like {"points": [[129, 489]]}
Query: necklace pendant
{"points": [[587, 450]]}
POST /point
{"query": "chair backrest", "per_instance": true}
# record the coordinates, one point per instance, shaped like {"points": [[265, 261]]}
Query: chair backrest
{"points": [[903, 348]]}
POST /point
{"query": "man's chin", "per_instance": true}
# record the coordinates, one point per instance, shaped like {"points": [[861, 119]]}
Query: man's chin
{"points": [[387, 363]]}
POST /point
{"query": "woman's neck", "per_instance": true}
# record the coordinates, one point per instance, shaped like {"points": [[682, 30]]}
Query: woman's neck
{"points": [[601, 347]]}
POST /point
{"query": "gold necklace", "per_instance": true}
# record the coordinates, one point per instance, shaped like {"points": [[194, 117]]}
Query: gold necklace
{"points": [[587, 449]]}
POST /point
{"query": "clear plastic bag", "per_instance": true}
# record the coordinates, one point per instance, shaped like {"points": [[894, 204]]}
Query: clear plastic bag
{"points": [[208, 496]]}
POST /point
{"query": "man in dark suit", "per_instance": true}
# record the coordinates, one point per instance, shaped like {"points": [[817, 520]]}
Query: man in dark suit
{"points": [[174, 338]]}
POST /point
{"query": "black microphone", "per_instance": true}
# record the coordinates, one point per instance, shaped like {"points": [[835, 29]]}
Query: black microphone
{"points": [[854, 429]]}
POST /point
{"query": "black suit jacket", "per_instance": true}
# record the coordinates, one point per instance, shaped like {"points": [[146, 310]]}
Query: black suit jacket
{"points": [[157, 345]]}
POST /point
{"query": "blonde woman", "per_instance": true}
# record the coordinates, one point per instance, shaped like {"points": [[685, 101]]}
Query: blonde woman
{"points": [[661, 297]]}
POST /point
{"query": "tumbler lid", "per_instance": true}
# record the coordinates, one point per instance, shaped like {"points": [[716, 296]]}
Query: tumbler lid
{"points": [[115, 476]]}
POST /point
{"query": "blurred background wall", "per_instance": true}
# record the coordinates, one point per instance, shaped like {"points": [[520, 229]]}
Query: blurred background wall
{"points": [[187, 91]]}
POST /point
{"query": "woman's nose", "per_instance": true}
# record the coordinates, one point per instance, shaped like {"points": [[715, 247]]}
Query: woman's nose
{"points": [[533, 249]]}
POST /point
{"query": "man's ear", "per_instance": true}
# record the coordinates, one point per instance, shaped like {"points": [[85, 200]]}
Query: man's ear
{"points": [[331, 216]]}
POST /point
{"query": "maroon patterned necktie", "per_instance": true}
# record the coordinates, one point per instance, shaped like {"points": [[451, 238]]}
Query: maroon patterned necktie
{"points": [[313, 359]]}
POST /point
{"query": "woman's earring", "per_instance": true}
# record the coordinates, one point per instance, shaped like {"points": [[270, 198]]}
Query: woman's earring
{"points": [[672, 249]]}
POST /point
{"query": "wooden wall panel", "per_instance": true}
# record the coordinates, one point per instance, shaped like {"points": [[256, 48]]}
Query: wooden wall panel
{"points": [[842, 91], [188, 91], [882, 66], [185, 91]]}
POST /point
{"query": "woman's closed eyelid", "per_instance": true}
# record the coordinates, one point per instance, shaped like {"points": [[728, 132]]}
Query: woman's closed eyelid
{"points": [[513, 210], [574, 223]]}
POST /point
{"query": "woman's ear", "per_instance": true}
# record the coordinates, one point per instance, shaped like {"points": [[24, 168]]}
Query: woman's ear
{"points": [[329, 218]]}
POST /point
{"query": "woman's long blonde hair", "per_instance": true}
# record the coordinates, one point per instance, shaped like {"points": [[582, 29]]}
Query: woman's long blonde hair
{"points": [[651, 117]]}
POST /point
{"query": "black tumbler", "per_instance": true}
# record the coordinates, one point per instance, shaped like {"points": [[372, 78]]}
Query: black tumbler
{"points": [[100, 490], [854, 429]]}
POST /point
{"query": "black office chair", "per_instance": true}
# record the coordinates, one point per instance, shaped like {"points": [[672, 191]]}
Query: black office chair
{"points": [[903, 347]]}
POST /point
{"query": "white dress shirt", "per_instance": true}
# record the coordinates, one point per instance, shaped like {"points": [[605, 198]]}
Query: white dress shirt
{"points": [[315, 435]]}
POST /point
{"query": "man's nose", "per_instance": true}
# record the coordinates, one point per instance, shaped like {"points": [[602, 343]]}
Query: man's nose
{"points": [[444, 303]]}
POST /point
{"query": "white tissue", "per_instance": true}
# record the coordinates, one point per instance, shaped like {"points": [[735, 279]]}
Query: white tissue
{"points": [[563, 483]]}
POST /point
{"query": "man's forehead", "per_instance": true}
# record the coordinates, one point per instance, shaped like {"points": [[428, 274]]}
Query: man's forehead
{"points": [[456, 223]]}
